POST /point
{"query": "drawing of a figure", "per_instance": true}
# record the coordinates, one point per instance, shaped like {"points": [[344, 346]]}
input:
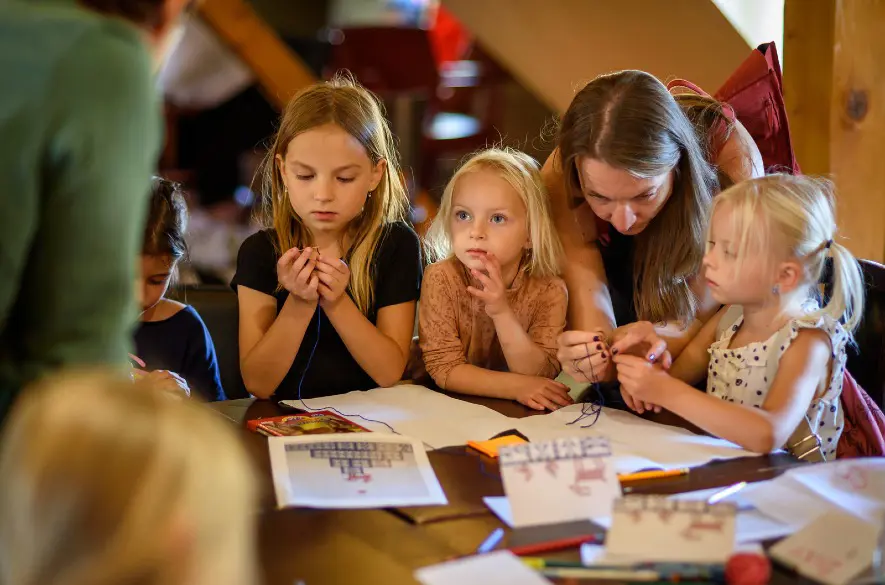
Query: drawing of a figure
{"points": [[359, 475], [551, 467], [665, 515], [526, 471], [855, 477], [585, 475], [700, 525]]}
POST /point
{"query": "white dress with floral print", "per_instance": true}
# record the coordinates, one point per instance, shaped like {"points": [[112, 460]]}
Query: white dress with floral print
{"points": [[744, 374]]}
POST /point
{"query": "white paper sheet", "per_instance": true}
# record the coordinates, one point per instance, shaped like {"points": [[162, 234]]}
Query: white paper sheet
{"points": [[415, 411], [570, 478], [363, 470], [497, 568], [636, 443], [803, 494], [441, 421], [751, 524], [833, 549], [500, 507], [856, 485]]}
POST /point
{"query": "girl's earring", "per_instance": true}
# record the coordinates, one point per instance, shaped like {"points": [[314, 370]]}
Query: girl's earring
{"points": [[370, 194], [776, 290]]}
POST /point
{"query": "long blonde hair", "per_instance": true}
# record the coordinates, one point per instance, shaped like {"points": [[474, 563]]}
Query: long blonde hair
{"points": [[630, 121], [795, 216], [357, 111], [99, 477], [523, 174]]}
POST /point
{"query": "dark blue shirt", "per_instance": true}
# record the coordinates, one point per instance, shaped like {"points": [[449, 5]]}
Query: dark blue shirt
{"points": [[182, 344]]}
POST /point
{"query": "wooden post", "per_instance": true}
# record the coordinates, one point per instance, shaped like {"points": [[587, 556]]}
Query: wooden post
{"points": [[834, 86], [279, 71]]}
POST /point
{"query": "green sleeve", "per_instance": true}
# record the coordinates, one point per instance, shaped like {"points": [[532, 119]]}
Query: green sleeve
{"points": [[102, 146]]}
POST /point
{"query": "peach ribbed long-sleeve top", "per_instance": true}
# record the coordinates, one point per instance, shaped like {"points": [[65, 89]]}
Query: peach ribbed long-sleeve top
{"points": [[454, 328]]}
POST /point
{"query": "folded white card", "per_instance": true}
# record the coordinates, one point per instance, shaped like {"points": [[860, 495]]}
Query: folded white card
{"points": [[658, 529], [559, 480]]}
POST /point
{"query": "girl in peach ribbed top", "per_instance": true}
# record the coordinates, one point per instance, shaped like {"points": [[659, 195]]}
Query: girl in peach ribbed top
{"points": [[493, 304]]}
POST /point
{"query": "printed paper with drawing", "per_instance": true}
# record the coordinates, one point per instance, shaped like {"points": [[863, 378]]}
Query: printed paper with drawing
{"points": [[559, 481], [658, 529], [806, 493], [833, 549], [857, 485], [366, 470]]}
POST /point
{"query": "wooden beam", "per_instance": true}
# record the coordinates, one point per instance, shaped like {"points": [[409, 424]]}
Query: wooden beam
{"points": [[809, 26], [279, 71], [554, 46], [835, 90]]}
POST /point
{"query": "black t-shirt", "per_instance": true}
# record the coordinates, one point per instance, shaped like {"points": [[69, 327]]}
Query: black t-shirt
{"points": [[332, 370], [617, 258], [182, 344]]}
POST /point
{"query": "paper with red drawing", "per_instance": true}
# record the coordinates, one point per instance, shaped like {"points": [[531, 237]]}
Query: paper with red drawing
{"points": [[804, 494], [659, 529], [857, 485], [833, 549], [560, 480], [363, 470]]}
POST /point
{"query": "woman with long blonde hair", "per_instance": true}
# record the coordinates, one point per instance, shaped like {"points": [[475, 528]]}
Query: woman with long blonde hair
{"points": [[107, 482], [327, 292]]}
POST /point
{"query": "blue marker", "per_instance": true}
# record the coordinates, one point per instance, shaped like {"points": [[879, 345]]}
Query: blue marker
{"points": [[489, 544]]}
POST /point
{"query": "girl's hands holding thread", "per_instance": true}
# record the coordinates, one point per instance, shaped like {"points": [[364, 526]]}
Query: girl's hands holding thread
{"points": [[584, 355], [541, 393], [641, 341], [643, 382], [334, 275], [295, 272], [494, 292]]}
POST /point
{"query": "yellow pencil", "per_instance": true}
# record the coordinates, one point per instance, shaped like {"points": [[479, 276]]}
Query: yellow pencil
{"points": [[640, 475]]}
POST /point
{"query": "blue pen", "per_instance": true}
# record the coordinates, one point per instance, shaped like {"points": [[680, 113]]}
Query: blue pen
{"points": [[491, 541]]}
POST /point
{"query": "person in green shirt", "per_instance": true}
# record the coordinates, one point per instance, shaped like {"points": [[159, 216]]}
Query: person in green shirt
{"points": [[80, 133]]}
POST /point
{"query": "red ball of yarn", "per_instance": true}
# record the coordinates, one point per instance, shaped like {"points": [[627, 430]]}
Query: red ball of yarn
{"points": [[747, 569]]}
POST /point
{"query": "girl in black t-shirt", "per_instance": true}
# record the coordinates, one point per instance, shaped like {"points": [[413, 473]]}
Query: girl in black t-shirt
{"points": [[327, 294]]}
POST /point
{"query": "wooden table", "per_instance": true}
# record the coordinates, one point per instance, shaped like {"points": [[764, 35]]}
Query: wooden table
{"points": [[354, 547]]}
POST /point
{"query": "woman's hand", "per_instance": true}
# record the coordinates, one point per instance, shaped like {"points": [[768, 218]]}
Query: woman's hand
{"points": [[295, 272], [641, 338], [584, 355]]}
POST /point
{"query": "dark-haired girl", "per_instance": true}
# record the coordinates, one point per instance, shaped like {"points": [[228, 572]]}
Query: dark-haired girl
{"points": [[171, 338]]}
